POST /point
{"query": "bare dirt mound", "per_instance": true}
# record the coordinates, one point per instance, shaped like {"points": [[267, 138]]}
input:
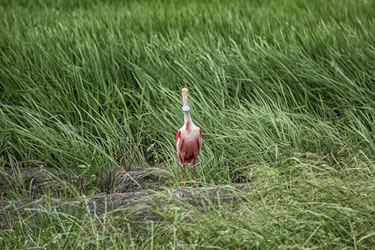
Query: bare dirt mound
{"points": [[134, 190]]}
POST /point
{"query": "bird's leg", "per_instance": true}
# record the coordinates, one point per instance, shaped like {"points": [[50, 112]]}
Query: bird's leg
{"points": [[184, 175], [195, 174]]}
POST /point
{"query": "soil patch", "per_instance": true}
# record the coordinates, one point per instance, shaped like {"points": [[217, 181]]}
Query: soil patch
{"points": [[137, 192]]}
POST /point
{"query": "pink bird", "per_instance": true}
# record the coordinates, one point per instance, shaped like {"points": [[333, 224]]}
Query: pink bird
{"points": [[188, 138]]}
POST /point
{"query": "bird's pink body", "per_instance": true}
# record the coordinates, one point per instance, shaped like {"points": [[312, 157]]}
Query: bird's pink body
{"points": [[188, 144]]}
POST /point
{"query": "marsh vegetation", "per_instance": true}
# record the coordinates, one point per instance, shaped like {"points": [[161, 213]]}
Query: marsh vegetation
{"points": [[283, 91]]}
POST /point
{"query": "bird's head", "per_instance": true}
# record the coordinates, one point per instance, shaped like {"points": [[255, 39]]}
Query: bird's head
{"points": [[185, 106]]}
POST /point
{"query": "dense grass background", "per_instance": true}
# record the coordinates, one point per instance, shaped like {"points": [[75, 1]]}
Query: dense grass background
{"points": [[284, 92]]}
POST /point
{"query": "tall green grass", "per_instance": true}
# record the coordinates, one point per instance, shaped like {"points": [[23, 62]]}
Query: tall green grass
{"points": [[282, 90]]}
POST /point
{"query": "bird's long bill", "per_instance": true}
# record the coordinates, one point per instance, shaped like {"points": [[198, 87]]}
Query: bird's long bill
{"points": [[185, 105]]}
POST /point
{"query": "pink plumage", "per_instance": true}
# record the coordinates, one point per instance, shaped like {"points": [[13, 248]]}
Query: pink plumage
{"points": [[188, 148]]}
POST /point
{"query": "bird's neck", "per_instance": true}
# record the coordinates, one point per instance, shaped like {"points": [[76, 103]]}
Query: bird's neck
{"points": [[188, 122]]}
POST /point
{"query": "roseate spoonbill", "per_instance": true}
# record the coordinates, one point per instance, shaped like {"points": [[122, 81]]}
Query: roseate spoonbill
{"points": [[188, 138]]}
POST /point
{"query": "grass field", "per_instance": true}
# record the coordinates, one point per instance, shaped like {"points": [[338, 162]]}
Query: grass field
{"points": [[283, 91]]}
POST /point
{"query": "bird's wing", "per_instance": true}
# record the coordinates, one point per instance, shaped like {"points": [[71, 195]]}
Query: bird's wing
{"points": [[178, 142]]}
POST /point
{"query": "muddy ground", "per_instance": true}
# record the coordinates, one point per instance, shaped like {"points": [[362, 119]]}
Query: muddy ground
{"points": [[135, 191]]}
